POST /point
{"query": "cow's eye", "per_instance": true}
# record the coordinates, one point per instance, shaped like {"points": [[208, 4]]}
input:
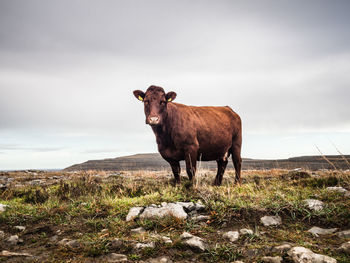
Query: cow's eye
{"points": [[146, 102]]}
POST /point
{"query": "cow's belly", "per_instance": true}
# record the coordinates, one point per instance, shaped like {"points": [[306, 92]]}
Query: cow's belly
{"points": [[214, 148]]}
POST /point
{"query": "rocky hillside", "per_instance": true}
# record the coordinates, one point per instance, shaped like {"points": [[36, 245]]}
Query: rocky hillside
{"points": [[153, 161]]}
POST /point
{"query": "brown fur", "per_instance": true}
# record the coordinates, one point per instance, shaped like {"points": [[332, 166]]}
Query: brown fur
{"points": [[193, 133]]}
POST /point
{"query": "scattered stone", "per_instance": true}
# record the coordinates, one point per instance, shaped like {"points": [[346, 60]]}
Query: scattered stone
{"points": [[200, 218], [170, 209], [162, 259], [20, 228], [14, 240], [113, 257], [139, 230], [237, 261], [200, 206], [188, 206], [145, 245], [2, 235], [314, 204], [271, 220], [344, 234], [304, 255], [246, 231], [69, 243], [167, 240], [316, 231], [337, 189], [133, 213], [193, 241], [277, 259], [5, 253], [231, 235], [282, 248], [3, 208], [116, 243], [345, 247]]}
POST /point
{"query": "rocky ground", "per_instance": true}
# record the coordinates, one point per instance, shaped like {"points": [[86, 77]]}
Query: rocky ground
{"points": [[274, 216]]}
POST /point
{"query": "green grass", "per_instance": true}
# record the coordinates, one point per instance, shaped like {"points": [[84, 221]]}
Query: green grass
{"points": [[84, 205]]}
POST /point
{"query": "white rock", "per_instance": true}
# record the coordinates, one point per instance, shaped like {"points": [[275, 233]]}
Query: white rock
{"points": [[271, 220], [3, 208], [20, 228], [246, 231], [13, 240], [189, 206], [200, 206], [113, 257], [6, 253], [237, 261], [282, 248], [337, 189], [145, 245], [170, 209], [2, 235], [133, 213], [185, 235], [344, 234], [304, 255], [167, 240], [272, 259], [193, 241], [69, 243], [316, 231], [314, 204], [138, 230], [231, 235], [345, 247]]}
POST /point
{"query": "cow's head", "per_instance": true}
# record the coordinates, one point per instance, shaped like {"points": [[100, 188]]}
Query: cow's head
{"points": [[155, 102]]}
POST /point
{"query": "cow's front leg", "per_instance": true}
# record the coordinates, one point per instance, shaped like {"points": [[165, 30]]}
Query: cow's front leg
{"points": [[191, 162], [175, 167]]}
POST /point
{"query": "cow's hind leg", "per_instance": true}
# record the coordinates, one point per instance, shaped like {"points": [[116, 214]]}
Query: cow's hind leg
{"points": [[175, 167], [236, 157], [222, 163]]}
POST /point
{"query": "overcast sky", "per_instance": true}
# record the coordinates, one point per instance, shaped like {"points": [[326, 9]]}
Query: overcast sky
{"points": [[68, 69]]}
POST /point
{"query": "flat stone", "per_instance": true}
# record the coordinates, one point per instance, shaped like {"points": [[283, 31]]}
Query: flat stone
{"points": [[133, 213], [193, 241], [231, 235], [304, 255], [316, 231], [20, 228], [246, 231], [344, 234], [6, 253], [345, 247], [113, 257], [139, 230], [162, 259], [277, 259], [188, 206], [200, 206], [282, 248], [271, 220], [170, 209], [145, 245], [337, 189], [314, 204]]}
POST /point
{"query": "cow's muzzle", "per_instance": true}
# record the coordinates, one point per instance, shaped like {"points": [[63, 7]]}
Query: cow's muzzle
{"points": [[153, 120]]}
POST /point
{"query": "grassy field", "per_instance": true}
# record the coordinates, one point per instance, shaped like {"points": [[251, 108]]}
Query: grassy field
{"points": [[91, 207]]}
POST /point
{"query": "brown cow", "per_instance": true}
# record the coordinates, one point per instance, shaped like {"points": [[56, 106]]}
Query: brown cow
{"points": [[192, 133]]}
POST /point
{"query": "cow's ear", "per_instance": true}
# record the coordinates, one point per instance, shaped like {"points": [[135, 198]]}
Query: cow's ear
{"points": [[140, 95], [170, 96]]}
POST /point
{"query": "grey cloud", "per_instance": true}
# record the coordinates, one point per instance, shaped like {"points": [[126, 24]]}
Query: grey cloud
{"points": [[17, 147]]}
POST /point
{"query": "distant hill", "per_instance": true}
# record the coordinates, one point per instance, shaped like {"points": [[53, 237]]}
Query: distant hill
{"points": [[153, 161]]}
